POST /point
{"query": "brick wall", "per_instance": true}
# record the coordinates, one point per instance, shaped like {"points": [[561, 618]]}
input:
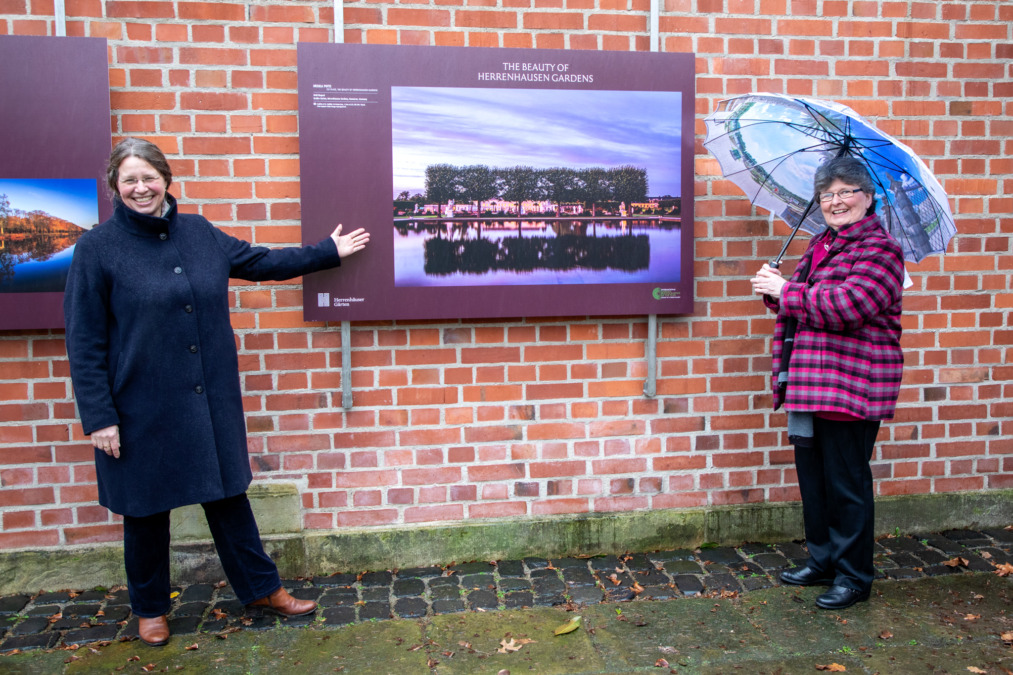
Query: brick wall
{"points": [[471, 420]]}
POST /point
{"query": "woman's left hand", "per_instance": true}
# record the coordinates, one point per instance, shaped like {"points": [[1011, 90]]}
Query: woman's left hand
{"points": [[768, 281], [351, 242]]}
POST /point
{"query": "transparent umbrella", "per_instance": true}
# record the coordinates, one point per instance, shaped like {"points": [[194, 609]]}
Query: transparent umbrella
{"points": [[770, 146]]}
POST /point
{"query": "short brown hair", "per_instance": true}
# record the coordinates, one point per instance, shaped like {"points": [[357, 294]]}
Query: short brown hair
{"points": [[142, 149]]}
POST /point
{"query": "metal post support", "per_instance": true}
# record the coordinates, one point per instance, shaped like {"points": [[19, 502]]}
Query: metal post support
{"points": [[651, 385], [346, 365], [61, 18]]}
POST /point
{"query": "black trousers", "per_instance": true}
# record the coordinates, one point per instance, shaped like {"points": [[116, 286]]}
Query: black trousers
{"points": [[838, 507], [250, 570]]}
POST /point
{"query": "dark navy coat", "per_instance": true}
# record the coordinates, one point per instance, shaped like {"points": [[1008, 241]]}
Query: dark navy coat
{"points": [[151, 349]]}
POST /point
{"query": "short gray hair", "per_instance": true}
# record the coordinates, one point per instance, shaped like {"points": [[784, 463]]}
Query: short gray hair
{"points": [[846, 169], [142, 149]]}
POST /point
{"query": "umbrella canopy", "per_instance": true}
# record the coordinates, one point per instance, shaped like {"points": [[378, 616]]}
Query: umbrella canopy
{"points": [[770, 145]]}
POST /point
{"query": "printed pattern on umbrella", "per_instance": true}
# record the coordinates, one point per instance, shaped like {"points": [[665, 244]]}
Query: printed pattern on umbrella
{"points": [[771, 145]]}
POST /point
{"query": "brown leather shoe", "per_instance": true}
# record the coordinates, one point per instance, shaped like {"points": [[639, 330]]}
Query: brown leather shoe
{"points": [[153, 631], [282, 604]]}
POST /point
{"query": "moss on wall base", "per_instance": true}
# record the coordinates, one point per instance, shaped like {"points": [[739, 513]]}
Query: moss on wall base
{"points": [[316, 553]]}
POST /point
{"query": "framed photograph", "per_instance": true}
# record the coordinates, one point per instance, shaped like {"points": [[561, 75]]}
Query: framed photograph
{"points": [[54, 113], [498, 182]]}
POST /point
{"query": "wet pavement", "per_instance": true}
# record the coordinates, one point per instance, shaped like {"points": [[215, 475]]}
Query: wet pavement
{"points": [[941, 603]]}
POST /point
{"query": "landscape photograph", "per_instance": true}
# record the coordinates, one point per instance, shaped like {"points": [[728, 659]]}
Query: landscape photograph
{"points": [[40, 222], [501, 187]]}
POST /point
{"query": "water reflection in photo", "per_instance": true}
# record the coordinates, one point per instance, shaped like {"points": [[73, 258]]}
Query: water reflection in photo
{"points": [[40, 222], [550, 251]]}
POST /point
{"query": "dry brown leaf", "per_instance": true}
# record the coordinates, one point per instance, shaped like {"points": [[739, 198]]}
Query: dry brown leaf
{"points": [[1007, 636], [956, 562], [661, 663], [513, 646], [986, 555], [832, 668], [1004, 570], [507, 647], [614, 579], [193, 647], [972, 617], [976, 670], [637, 588], [885, 635]]}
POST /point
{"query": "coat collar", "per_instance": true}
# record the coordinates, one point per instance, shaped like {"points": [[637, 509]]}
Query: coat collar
{"points": [[144, 225], [860, 230]]}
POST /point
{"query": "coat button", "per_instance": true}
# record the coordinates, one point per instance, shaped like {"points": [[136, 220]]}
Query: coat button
{"points": [[199, 389], [188, 309], [163, 236], [177, 270], [193, 349]]}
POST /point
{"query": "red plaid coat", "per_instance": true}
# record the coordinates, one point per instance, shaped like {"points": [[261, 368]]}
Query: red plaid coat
{"points": [[847, 356]]}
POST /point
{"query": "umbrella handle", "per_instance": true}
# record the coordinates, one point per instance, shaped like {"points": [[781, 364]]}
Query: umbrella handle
{"points": [[776, 262]]}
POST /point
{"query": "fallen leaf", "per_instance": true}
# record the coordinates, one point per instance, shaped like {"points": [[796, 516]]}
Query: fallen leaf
{"points": [[506, 647], [193, 647], [134, 658], [661, 663], [1004, 570], [148, 668], [466, 645], [885, 635], [614, 579], [956, 562], [976, 670], [986, 555], [832, 668], [637, 588], [1007, 636], [513, 645], [568, 627], [173, 595], [972, 617], [503, 672]]}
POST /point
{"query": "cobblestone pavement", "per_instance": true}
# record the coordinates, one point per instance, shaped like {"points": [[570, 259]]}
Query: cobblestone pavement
{"points": [[52, 619]]}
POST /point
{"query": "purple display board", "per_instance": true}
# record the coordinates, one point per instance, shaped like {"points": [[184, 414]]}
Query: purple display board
{"points": [[498, 182], [54, 113]]}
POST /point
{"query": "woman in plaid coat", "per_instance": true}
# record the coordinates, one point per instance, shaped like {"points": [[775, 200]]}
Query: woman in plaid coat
{"points": [[837, 367]]}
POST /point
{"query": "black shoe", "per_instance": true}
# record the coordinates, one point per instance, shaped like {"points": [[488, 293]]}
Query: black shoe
{"points": [[839, 597], [805, 576]]}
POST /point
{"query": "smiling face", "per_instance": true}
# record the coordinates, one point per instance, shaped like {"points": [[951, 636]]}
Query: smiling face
{"points": [[839, 212], [140, 186]]}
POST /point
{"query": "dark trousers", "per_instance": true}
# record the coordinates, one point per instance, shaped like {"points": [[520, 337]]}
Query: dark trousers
{"points": [[837, 500], [250, 570]]}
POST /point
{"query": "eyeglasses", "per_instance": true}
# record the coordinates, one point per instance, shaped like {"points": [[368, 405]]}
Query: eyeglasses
{"points": [[825, 197], [146, 180]]}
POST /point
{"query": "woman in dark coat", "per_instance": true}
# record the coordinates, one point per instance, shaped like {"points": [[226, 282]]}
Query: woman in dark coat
{"points": [[156, 378], [842, 376]]}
